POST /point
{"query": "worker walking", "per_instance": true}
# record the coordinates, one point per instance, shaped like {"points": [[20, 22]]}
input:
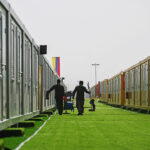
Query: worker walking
{"points": [[80, 97], [59, 93]]}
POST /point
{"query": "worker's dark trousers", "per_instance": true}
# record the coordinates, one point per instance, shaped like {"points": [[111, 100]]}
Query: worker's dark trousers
{"points": [[93, 105], [80, 104], [59, 104]]}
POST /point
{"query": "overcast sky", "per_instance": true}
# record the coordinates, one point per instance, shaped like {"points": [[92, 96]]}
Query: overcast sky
{"points": [[113, 33]]}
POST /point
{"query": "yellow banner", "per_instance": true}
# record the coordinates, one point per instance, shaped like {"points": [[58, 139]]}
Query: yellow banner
{"points": [[54, 62]]}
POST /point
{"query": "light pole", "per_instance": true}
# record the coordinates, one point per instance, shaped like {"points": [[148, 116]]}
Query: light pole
{"points": [[95, 72]]}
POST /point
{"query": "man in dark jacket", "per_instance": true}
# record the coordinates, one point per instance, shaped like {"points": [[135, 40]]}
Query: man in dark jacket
{"points": [[80, 97], [59, 93]]}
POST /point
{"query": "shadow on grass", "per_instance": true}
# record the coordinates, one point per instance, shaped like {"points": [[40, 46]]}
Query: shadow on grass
{"points": [[7, 148], [66, 113]]}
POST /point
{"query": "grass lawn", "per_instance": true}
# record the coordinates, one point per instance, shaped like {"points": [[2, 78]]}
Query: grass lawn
{"points": [[13, 142], [108, 128]]}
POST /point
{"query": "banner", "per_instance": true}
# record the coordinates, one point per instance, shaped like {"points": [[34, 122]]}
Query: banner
{"points": [[56, 64]]}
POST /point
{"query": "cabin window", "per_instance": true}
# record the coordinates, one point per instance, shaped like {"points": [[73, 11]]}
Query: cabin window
{"points": [[133, 79], [111, 87], [129, 81], [49, 78], [18, 55], [145, 75], [126, 82], [142, 77], [46, 76], [37, 69], [1, 33], [29, 63], [26, 61], [34, 68], [119, 84], [12, 51], [136, 79]]}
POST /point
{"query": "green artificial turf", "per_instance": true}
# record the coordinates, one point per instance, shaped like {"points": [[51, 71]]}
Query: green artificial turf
{"points": [[108, 128], [13, 142], [1, 144]]}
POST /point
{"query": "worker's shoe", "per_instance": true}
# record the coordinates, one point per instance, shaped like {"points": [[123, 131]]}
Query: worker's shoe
{"points": [[79, 114]]}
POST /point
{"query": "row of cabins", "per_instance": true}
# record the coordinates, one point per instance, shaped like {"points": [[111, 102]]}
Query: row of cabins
{"points": [[129, 88]]}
